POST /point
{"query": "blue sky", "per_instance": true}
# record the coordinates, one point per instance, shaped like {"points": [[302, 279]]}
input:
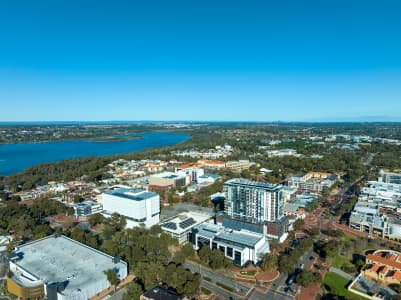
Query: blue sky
{"points": [[289, 60]]}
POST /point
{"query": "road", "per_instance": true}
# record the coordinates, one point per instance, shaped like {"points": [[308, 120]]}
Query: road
{"points": [[118, 295], [195, 268], [220, 291]]}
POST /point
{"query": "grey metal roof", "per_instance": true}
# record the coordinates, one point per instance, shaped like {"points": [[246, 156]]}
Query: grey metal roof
{"points": [[220, 233]]}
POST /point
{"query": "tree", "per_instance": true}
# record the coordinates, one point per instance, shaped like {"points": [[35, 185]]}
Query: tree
{"points": [[112, 277], [270, 262], [133, 291], [95, 219], [205, 254], [315, 232], [305, 278], [299, 225], [188, 250], [287, 263], [155, 230]]}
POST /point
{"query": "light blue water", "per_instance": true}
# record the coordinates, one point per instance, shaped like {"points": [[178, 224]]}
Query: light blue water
{"points": [[17, 157]]}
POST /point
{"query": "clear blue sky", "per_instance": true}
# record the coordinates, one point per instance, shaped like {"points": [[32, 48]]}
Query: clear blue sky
{"points": [[200, 60]]}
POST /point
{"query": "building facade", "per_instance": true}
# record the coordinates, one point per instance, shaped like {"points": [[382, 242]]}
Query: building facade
{"points": [[383, 266], [240, 246], [137, 205], [252, 201]]}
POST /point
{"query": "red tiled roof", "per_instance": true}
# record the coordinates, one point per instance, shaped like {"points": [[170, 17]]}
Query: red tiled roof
{"points": [[397, 275], [384, 261]]}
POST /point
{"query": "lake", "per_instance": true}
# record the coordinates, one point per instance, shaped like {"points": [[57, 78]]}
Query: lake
{"points": [[17, 157]]}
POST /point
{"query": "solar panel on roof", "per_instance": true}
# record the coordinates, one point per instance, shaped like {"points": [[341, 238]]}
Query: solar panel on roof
{"points": [[187, 223], [170, 225]]}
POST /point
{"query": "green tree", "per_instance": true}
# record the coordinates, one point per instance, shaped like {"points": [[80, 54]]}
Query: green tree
{"points": [[299, 224], [188, 250], [112, 277], [205, 254], [305, 278], [270, 262], [96, 219], [133, 291]]}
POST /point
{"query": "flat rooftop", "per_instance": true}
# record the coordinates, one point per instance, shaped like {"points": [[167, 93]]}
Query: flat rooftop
{"points": [[254, 184], [60, 259], [229, 236], [184, 222], [131, 194]]}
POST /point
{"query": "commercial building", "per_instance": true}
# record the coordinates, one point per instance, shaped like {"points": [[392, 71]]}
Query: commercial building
{"points": [[137, 205], [239, 165], [295, 210], [180, 226], [378, 210], [313, 182], [390, 177], [253, 201], [60, 268], [167, 180], [383, 266], [241, 246], [86, 208]]}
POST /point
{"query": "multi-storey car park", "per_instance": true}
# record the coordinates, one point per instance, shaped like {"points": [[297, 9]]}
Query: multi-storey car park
{"points": [[59, 268]]}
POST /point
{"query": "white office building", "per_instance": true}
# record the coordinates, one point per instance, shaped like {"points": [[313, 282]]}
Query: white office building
{"points": [[137, 205], [238, 245]]}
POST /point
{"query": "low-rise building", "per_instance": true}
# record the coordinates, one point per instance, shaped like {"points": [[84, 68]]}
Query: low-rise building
{"points": [[86, 208], [294, 209], [312, 181], [383, 266], [60, 268], [136, 205], [239, 165], [167, 180], [240, 246], [180, 226], [390, 177]]}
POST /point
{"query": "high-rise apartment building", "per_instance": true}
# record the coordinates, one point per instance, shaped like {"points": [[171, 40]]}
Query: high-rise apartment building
{"points": [[252, 201]]}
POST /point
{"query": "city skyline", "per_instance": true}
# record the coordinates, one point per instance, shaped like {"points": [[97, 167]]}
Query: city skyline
{"points": [[206, 61]]}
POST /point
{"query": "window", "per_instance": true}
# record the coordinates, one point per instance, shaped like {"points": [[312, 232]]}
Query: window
{"points": [[229, 251], [237, 258]]}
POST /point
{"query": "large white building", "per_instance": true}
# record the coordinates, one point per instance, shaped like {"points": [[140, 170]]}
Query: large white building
{"points": [[238, 245], [60, 268], [137, 205]]}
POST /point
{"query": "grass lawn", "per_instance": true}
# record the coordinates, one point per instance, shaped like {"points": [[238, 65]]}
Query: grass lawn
{"points": [[340, 261], [249, 273], [347, 238], [336, 284]]}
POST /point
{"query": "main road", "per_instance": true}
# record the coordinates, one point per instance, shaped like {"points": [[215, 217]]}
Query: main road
{"points": [[229, 282]]}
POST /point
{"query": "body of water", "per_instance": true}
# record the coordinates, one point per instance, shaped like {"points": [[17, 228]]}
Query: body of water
{"points": [[17, 157]]}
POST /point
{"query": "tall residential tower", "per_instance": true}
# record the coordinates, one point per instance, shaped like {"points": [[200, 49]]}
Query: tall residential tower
{"points": [[253, 201]]}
